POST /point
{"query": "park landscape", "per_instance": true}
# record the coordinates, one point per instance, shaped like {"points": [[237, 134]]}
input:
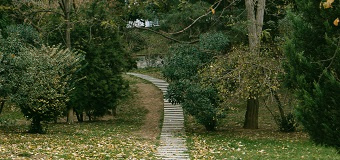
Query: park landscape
{"points": [[239, 79]]}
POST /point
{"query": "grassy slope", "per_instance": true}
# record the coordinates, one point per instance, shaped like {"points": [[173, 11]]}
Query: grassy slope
{"points": [[114, 138]]}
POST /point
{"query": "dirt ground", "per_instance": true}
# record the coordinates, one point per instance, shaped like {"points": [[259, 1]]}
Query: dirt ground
{"points": [[151, 98]]}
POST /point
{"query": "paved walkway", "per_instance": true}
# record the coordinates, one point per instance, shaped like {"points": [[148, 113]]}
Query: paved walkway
{"points": [[172, 140]]}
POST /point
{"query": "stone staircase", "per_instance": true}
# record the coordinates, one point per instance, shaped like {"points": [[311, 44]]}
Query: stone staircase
{"points": [[172, 140]]}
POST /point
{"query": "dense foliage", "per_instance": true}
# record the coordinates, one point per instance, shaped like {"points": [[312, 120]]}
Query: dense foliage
{"points": [[16, 39], [239, 74], [95, 88], [5, 14], [182, 69], [35, 78], [313, 68], [44, 83], [102, 86]]}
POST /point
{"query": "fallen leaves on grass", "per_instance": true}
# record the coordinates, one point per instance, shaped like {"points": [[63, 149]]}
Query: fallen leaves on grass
{"points": [[106, 141], [114, 139], [216, 146]]}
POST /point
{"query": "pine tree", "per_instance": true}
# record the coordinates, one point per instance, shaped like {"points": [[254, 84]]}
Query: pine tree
{"points": [[313, 68], [102, 84]]}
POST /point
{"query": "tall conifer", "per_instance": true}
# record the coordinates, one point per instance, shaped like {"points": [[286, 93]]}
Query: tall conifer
{"points": [[313, 68]]}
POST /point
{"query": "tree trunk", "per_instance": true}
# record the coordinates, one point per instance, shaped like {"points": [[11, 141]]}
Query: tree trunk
{"points": [[56, 119], [68, 24], [90, 117], [255, 24], [252, 114], [80, 116], [210, 126], [36, 126], [252, 30], [2, 105], [114, 111], [70, 116], [67, 10], [261, 4], [279, 105]]}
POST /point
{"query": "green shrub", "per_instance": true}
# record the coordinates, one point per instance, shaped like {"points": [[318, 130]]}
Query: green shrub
{"points": [[176, 90], [287, 123], [17, 38], [202, 103], [7, 122], [198, 100], [25, 33], [183, 63], [5, 14], [43, 86], [214, 42]]}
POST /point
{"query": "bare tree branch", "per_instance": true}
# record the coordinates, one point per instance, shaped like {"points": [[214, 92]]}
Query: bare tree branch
{"points": [[29, 21], [186, 28], [47, 11], [223, 10], [62, 5], [228, 7], [166, 34], [330, 59]]}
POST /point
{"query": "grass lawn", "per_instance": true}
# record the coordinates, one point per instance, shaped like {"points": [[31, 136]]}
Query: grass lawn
{"points": [[112, 138], [231, 141], [224, 145]]}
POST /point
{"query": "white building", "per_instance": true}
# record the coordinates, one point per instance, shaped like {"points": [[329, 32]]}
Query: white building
{"points": [[142, 23]]}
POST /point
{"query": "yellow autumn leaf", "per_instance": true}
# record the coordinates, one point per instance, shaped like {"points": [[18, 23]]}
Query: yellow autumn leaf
{"points": [[212, 10], [328, 4], [330, 1], [336, 22]]}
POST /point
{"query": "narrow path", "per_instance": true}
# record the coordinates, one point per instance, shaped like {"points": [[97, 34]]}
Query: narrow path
{"points": [[172, 139]]}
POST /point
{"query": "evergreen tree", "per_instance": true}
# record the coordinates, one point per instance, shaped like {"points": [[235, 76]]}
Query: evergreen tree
{"points": [[102, 84], [313, 68]]}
